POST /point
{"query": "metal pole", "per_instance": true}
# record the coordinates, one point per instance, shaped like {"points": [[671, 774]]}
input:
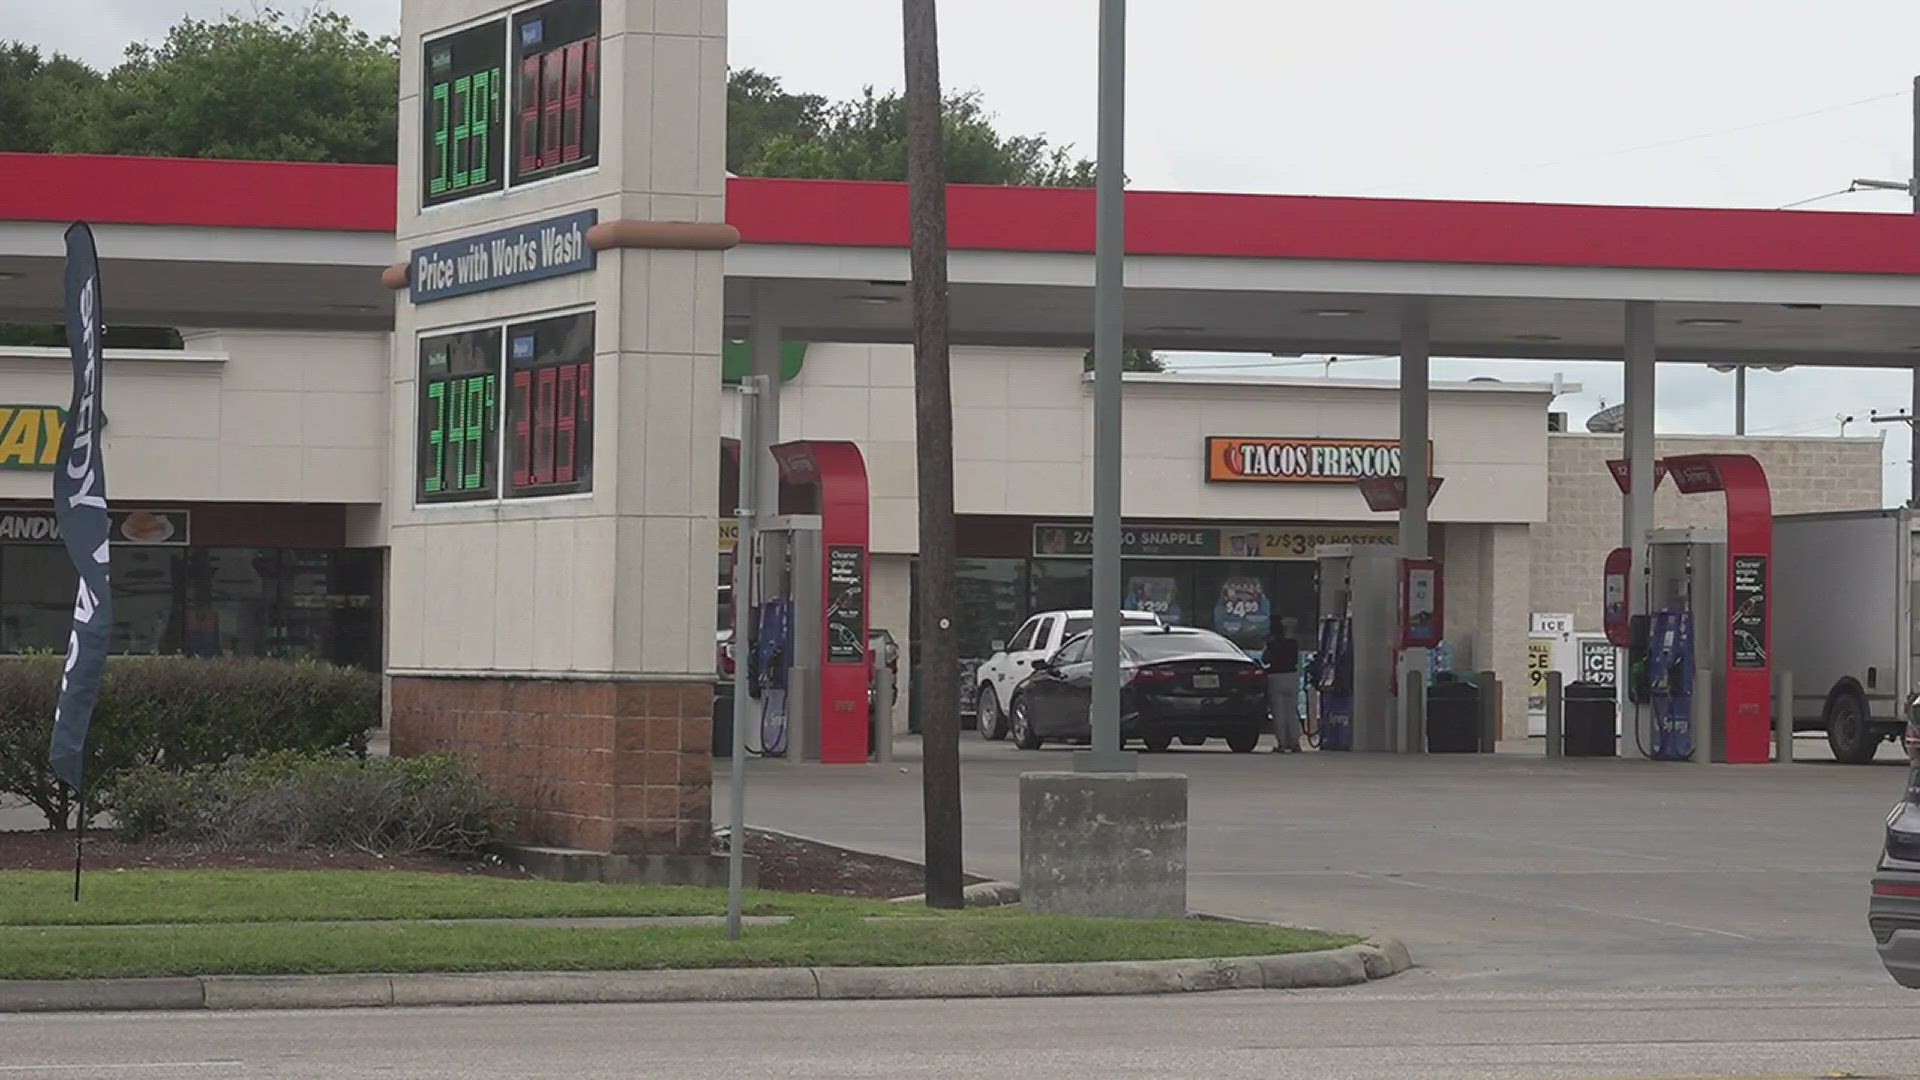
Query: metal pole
{"points": [[1740, 399], [1639, 447], [1556, 714], [1109, 329], [1783, 717], [1415, 345], [1913, 190], [750, 389]]}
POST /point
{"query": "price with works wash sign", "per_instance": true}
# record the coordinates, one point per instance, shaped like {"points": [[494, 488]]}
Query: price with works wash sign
{"points": [[459, 415], [464, 144]]}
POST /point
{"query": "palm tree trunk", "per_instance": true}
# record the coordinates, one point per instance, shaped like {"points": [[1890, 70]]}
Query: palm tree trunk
{"points": [[933, 432]]}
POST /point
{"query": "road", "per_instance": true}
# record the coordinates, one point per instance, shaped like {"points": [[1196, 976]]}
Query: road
{"points": [[1507, 871], [1408, 1028]]}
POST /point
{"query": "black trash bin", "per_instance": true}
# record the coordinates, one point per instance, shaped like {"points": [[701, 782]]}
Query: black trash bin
{"points": [[1453, 717], [723, 720], [1587, 718]]}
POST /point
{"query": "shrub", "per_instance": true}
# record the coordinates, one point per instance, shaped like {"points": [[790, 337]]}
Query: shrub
{"points": [[391, 806], [175, 713]]}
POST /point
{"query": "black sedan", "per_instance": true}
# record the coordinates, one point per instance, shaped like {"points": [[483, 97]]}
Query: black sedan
{"points": [[1177, 682], [1893, 912]]}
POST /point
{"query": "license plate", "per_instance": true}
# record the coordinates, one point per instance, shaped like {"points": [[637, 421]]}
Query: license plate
{"points": [[1206, 682]]}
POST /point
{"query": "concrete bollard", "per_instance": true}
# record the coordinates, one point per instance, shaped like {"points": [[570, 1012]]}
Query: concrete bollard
{"points": [[1702, 718], [1783, 717], [1556, 714], [1112, 845], [1489, 688]]}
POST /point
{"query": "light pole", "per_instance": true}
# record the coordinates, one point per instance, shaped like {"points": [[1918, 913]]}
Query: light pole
{"points": [[1912, 187], [1740, 389]]}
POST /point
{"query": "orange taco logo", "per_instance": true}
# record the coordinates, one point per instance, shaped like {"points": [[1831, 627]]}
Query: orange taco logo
{"points": [[1235, 459]]}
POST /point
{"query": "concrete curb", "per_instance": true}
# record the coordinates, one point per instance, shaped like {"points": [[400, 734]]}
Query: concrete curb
{"points": [[1376, 958]]}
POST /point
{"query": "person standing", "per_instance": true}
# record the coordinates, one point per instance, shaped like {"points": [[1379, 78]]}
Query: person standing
{"points": [[1281, 659]]}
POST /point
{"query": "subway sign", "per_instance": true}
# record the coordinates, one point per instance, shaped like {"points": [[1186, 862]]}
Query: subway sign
{"points": [[1234, 459], [30, 437]]}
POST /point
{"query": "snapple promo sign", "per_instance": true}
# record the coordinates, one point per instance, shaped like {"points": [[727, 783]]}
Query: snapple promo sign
{"points": [[1260, 460]]}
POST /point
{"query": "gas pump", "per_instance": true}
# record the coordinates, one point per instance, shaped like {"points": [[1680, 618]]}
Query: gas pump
{"points": [[1670, 682], [1679, 662], [1333, 678], [767, 673]]}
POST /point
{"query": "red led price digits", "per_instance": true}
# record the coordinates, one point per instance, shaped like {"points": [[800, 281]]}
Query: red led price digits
{"points": [[529, 114], [555, 89], [543, 426], [574, 391], [523, 428]]}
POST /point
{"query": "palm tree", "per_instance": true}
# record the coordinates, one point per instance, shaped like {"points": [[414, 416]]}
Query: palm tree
{"points": [[933, 432]]}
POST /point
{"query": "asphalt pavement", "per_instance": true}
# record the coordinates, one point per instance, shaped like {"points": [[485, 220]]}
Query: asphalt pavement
{"points": [[1508, 872], [1413, 1027]]}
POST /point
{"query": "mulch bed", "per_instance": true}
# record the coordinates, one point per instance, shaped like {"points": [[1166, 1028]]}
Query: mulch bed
{"points": [[786, 864]]}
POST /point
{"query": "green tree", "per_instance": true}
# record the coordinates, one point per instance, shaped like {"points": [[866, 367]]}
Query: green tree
{"points": [[266, 87], [36, 93], [1132, 360], [801, 135]]}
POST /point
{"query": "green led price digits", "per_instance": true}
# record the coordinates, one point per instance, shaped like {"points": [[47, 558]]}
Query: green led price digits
{"points": [[461, 421], [465, 109]]}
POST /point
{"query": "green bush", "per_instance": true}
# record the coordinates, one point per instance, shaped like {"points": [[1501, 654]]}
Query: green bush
{"points": [[390, 806], [176, 713]]}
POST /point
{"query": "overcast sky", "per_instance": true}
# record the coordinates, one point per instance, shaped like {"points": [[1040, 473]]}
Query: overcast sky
{"points": [[1753, 103]]}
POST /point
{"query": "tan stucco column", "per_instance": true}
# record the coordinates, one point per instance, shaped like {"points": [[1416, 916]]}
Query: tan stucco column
{"points": [[553, 619]]}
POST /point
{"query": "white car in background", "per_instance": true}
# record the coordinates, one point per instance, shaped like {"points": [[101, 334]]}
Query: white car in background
{"points": [[1012, 660]]}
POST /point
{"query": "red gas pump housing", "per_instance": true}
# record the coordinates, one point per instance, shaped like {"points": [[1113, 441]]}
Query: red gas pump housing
{"points": [[1617, 598], [1749, 630], [835, 475]]}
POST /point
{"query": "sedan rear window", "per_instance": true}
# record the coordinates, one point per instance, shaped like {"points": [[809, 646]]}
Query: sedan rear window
{"points": [[1151, 645]]}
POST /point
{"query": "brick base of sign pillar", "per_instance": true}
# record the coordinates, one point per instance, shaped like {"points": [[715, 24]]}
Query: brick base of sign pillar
{"points": [[618, 768]]}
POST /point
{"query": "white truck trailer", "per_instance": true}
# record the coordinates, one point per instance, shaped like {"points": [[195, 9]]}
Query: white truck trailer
{"points": [[1843, 594]]}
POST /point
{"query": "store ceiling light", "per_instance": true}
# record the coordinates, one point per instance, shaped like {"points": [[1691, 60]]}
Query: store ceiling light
{"points": [[1709, 322], [1536, 337], [8, 275], [1334, 312], [868, 298]]}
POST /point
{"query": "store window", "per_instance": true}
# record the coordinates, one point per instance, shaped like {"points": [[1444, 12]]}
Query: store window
{"points": [[991, 602], [266, 602]]}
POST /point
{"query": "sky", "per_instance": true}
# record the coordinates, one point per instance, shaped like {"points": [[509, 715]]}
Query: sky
{"points": [[1751, 103]]}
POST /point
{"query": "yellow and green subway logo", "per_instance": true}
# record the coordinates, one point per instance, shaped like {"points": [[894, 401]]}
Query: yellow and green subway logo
{"points": [[30, 437]]}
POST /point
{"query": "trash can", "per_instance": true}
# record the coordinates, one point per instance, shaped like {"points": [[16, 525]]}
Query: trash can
{"points": [[723, 720], [1588, 718], [1453, 717]]}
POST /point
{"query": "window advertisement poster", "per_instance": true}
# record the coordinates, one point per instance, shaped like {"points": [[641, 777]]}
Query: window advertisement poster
{"points": [[1598, 658], [1159, 595], [1539, 662], [1243, 612]]}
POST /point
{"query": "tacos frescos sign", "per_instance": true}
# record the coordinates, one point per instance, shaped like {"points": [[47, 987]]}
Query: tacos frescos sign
{"points": [[1264, 460]]}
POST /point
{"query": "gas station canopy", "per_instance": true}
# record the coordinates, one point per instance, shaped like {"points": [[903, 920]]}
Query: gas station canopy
{"points": [[221, 243]]}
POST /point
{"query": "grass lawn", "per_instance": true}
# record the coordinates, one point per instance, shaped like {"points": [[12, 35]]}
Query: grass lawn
{"points": [[45, 898], [262, 922]]}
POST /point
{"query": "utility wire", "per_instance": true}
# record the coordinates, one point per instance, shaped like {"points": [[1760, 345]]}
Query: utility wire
{"points": [[1848, 190], [1754, 126]]}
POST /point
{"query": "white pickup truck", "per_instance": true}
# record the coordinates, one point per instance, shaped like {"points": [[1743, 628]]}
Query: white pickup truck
{"points": [[1012, 661]]}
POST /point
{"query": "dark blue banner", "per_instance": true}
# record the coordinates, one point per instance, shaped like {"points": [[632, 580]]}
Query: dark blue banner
{"points": [[495, 260], [80, 504]]}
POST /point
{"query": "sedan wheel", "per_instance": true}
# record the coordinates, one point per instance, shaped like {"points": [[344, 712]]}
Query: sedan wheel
{"points": [[1157, 744], [1243, 742], [1021, 729], [992, 725], [1193, 740]]}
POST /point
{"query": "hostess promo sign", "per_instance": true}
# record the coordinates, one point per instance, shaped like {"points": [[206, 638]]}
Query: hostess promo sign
{"points": [[513, 256]]}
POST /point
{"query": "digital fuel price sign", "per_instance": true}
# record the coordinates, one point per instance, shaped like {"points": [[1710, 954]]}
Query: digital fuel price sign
{"points": [[550, 406], [556, 55], [459, 417], [464, 140]]}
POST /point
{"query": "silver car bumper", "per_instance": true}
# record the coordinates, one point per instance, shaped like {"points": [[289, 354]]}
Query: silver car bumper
{"points": [[1895, 921]]}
